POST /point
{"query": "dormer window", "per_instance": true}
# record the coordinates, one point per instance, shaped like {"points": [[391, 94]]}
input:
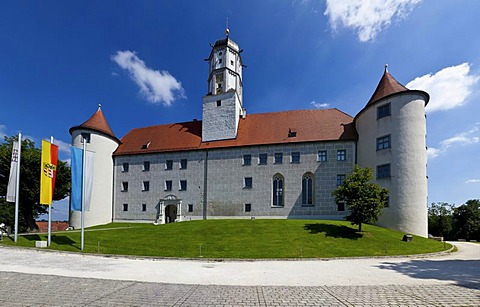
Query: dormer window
{"points": [[146, 145], [291, 133]]}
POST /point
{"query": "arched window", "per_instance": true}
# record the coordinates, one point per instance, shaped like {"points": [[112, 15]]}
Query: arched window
{"points": [[307, 189], [278, 190]]}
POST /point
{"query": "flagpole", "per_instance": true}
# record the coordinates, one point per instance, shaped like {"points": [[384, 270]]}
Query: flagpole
{"points": [[49, 239], [84, 154], [17, 186]]}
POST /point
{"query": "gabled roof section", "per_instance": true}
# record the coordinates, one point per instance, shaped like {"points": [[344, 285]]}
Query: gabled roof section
{"points": [[387, 86], [97, 122], [253, 130]]}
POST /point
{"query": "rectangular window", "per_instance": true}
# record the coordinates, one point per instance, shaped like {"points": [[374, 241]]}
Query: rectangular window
{"points": [[124, 186], [125, 167], [278, 158], [296, 157], [383, 171], [248, 207], [322, 156], [247, 159], [248, 183], [169, 164], [383, 111], [190, 208], [340, 179], [183, 164], [125, 207], [146, 186], [341, 155], [383, 142], [341, 206], [168, 185], [262, 159], [219, 103], [183, 185], [85, 138], [387, 203], [146, 166], [144, 207]]}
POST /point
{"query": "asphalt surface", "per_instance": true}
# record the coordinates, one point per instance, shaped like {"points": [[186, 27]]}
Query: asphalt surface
{"points": [[31, 277]]}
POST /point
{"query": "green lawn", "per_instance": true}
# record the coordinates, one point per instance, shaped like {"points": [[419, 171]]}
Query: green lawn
{"points": [[248, 239]]}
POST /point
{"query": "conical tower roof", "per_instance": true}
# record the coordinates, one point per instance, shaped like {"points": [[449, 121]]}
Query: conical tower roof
{"points": [[386, 87], [98, 123]]}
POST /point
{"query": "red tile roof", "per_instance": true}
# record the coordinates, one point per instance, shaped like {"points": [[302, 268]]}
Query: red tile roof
{"points": [[255, 129], [97, 122], [387, 86]]}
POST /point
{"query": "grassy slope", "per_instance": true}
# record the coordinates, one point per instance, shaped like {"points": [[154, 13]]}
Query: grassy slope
{"points": [[239, 239]]}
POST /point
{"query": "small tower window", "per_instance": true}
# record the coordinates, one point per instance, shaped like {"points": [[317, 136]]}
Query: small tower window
{"points": [[85, 138], [219, 103]]}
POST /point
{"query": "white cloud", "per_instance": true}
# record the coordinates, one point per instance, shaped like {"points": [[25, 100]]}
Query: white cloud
{"points": [[449, 88], [155, 85], [3, 128], [63, 146], [469, 137], [473, 181], [318, 105], [368, 18]]}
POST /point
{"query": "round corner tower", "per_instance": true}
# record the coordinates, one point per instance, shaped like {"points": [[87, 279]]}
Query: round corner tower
{"points": [[102, 141], [392, 141]]}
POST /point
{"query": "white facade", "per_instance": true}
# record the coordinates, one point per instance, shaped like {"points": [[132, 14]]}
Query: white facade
{"points": [[405, 156], [101, 203]]}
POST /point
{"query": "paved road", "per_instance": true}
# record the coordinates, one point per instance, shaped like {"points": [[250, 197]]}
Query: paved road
{"points": [[64, 279]]}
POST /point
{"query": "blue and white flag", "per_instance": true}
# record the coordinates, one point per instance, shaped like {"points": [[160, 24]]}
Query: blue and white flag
{"points": [[77, 172]]}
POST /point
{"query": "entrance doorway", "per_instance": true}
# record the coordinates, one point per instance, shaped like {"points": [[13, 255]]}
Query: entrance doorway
{"points": [[170, 214]]}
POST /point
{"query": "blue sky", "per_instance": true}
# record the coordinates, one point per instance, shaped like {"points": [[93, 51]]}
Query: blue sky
{"points": [[144, 62]]}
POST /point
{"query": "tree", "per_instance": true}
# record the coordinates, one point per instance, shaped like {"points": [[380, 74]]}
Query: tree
{"points": [[29, 194], [440, 219], [466, 220], [365, 199]]}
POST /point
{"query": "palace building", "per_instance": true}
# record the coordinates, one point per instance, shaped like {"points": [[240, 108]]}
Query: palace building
{"points": [[270, 165]]}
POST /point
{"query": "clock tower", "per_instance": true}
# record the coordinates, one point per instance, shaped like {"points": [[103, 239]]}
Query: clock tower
{"points": [[222, 106]]}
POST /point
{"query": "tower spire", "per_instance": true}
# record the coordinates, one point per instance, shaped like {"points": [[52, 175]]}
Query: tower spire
{"points": [[227, 31]]}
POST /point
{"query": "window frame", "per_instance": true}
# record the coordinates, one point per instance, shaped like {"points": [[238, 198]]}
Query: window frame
{"points": [[183, 163], [125, 207], [341, 155], [146, 186], [295, 157], [249, 159], [384, 171], [167, 182], [278, 158], [384, 142], [182, 185], [308, 186], [144, 207], [125, 167], [168, 165], [340, 179], [322, 156], [262, 159], [248, 182], [276, 197], [124, 186], [247, 207], [146, 166], [384, 110], [190, 208]]}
